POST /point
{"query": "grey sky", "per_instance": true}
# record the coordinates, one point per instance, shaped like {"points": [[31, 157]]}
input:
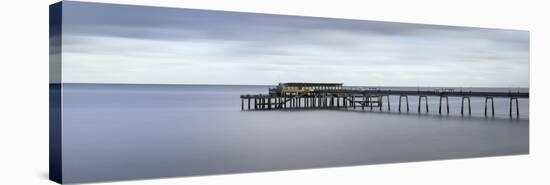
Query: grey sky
{"points": [[105, 43]]}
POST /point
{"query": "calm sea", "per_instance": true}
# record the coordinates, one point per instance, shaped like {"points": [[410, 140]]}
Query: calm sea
{"points": [[118, 132]]}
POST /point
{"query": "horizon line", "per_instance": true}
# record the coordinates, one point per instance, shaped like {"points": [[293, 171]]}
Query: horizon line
{"points": [[213, 84]]}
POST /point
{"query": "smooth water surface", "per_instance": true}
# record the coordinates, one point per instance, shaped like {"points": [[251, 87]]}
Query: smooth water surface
{"points": [[118, 132]]}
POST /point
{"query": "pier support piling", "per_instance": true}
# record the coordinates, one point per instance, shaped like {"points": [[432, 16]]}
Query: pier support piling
{"points": [[492, 105], [389, 105], [446, 102], [462, 105], [407, 101], [517, 106], [420, 103]]}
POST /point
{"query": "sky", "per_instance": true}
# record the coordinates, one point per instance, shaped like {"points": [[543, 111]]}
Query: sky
{"points": [[105, 43]]}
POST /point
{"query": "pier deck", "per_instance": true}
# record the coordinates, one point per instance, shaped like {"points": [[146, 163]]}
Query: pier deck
{"points": [[337, 96]]}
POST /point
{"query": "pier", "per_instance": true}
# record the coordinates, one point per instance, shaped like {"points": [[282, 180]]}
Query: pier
{"points": [[337, 96]]}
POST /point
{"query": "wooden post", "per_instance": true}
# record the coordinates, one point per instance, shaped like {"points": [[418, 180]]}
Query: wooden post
{"points": [[427, 108], [426, 99], [440, 103], [447, 103], [469, 106], [440, 99], [510, 106], [462, 106], [517, 107], [353, 101], [493, 105], [389, 106], [486, 98], [400, 102], [380, 101], [364, 102], [242, 103], [419, 103], [370, 101], [345, 102], [407, 99]]}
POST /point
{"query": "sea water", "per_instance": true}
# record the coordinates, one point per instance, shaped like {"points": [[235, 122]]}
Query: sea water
{"points": [[119, 132]]}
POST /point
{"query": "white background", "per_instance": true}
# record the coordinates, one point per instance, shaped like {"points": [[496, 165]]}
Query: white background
{"points": [[24, 91]]}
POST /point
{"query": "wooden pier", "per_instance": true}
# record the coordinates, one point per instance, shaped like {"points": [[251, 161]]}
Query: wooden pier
{"points": [[337, 96]]}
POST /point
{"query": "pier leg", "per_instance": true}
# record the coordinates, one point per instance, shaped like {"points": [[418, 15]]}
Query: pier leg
{"points": [[510, 107], [389, 106], [407, 99], [344, 102], [486, 98], [400, 103], [370, 102], [291, 102], [440, 99], [426, 100], [268, 103], [353, 102], [242, 103], [517, 108], [419, 103], [493, 105], [380, 102], [427, 108], [338, 102], [469, 106], [364, 102], [447, 102], [462, 107]]}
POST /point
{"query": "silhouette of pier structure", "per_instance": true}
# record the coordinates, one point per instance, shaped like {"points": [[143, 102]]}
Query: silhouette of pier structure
{"points": [[337, 96]]}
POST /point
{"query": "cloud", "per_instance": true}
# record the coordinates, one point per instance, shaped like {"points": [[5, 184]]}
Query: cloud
{"points": [[103, 43]]}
